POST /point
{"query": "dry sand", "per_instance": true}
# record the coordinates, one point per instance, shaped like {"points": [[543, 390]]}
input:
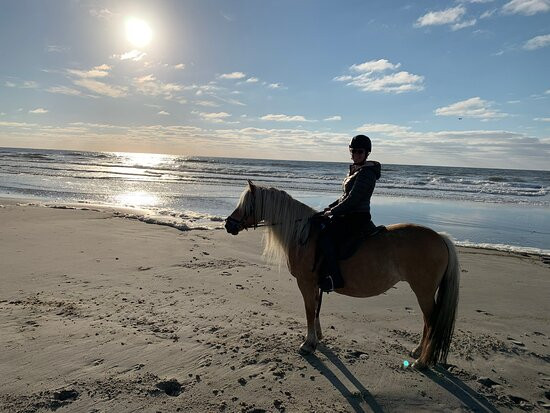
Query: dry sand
{"points": [[104, 314]]}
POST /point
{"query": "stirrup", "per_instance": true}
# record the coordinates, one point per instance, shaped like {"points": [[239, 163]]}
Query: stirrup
{"points": [[327, 284]]}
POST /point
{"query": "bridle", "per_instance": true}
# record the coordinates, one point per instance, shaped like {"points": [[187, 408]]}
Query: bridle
{"points": [[240, 224]]}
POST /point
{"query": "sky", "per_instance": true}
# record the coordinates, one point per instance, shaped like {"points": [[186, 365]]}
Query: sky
{"points": [[457, 83]]}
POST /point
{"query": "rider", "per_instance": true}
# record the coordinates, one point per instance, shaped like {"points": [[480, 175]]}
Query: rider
{"points": [[351, 212]]}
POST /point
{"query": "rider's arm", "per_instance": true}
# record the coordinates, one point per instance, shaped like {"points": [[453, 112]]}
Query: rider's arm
{"points": [[361, 191]]}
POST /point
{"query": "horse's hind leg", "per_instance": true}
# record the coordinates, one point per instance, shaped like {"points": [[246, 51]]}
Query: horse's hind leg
{"points": [[421, 351], [310, 294]]}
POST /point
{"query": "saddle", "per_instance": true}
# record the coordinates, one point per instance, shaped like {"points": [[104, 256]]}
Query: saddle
{"points": [[346, 240], [345, 248]]}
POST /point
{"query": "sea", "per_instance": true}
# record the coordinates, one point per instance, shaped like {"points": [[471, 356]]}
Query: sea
{"points": [[504, 209]]}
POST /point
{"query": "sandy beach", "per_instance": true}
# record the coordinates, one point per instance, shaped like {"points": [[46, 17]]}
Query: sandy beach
{"points": [[100, 313]]}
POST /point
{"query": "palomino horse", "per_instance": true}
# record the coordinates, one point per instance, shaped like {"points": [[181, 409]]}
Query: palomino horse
{"points": [[405, 252]]}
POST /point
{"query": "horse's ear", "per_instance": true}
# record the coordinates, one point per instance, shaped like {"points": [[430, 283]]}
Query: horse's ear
{"points": [[250, 185]]}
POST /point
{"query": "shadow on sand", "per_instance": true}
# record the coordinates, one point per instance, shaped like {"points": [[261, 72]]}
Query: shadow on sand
{"points": [[468, 396], [354, 398]]}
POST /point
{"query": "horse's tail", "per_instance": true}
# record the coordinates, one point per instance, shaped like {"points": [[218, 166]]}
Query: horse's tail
{"points": [[444, 313]]}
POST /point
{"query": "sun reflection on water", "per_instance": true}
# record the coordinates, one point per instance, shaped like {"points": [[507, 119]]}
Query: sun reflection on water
{"points": [[137, 199]]}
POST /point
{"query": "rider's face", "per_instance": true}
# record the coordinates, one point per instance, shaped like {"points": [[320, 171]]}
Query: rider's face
{"points": [[358, 155]]}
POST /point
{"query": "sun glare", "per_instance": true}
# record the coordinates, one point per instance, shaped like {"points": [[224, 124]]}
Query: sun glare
{"points": [[138, 32]]}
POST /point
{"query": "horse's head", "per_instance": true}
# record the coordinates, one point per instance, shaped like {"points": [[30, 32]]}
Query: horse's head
{"points": [[243, 216]]}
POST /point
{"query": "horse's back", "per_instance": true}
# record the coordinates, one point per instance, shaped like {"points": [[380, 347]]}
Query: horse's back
{"points": [[405, 252]]}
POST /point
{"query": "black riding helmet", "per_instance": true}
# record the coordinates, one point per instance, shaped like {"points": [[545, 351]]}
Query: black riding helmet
{"points": [[361, 142]]}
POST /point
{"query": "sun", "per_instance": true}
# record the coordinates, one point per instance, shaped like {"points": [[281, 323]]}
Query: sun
{"points": [[138, 32]]}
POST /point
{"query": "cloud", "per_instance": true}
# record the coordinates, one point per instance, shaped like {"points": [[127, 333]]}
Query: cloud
{"points": [[537, 42], [526, 7], [104, 14], [333, 118], [149, 85], [471, 108], [285, 118], [102, 88], [274, 86], [179, 66], [542, 119], [232, 75], [87, 80], [26, 84], [95, 72], [384, 128], [207, 103], [39, 111], [64, 90], [52, 48], [163, 112], [371, 78], [374, 66], [216, 117], [252, 80], [134, 55], [487, 14], [463, 24], [435, 18]]}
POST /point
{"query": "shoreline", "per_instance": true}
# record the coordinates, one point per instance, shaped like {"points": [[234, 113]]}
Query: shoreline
{"points": [[143, 215]]}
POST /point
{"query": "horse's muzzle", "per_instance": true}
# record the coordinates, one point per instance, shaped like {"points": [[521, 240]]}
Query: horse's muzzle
{"points": [[232, 226]]}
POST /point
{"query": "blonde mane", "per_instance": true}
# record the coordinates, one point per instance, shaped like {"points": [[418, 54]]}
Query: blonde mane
{"points": [[286, 219]]}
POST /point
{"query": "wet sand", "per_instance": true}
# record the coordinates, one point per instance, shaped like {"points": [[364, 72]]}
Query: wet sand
{"points": [[100, 313]]}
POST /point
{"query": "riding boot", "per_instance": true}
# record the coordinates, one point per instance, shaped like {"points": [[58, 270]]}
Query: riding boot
{"points": [[331, 278]]}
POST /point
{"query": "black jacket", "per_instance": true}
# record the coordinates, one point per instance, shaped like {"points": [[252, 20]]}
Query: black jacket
{"points": [[358, 187]]}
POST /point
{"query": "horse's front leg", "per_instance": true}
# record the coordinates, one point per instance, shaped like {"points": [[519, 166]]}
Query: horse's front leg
{"points": [[310, 294]]}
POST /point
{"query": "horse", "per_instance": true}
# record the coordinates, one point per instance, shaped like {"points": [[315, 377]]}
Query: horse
{"points": [[427, 260]]}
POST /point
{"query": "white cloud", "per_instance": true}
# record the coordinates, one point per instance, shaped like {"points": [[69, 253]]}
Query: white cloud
{"points": [[374, 66], [526, 7], [285, 118], [463, 24], [274, 86], [102, 88], [537, 42], [163, 112], [149, 85], [487, 14], [39, 111], [216, 117], [52, 48], [371, 78], [252, 80], [447, 16], [383, 128], [104, 14], [207, 103], [26, 84], [471, 108], [232, 75], [64, 90], [95, 72], [134, 55], [547, 92], [542, 119], [179, 66], [333, 118]]}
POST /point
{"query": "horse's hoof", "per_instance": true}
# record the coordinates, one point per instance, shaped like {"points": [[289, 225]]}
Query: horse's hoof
{"points": [[306, 349], [416, 352], [419, 365]]}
